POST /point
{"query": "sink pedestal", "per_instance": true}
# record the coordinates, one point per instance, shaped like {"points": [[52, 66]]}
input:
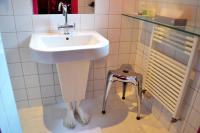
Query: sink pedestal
{"points": [[73, 78]]}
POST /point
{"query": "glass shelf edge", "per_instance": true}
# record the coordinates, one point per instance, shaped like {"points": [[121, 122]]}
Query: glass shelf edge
{"points": [[142, 18]]}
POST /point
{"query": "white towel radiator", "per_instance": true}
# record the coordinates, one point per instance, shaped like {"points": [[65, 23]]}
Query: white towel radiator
{"points": [[166, 78]]}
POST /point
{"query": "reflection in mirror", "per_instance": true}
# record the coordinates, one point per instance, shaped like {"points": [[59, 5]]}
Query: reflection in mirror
{"points": [[73, 6]]}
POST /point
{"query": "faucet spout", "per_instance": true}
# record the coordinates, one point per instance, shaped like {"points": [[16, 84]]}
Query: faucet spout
{"points": [[64, 9]]}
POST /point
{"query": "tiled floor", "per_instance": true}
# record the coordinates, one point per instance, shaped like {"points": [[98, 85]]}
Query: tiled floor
{"points": [[120, 118]]}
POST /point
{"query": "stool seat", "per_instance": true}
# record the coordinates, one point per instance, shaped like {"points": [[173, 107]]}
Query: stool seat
{"points": [[124, 74], [125, 71]]}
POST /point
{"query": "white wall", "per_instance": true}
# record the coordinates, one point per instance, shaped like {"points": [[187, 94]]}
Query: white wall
{"points": [[36, 84], [9, 120]]}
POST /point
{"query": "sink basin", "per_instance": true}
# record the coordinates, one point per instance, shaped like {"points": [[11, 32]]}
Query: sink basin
{"points": [[54, 48], [72, 55]]}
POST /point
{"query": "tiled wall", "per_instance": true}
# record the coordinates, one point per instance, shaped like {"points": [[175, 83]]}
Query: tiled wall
{"points": [[8, 111], [83, 6], [190, 114], [35, 83]]}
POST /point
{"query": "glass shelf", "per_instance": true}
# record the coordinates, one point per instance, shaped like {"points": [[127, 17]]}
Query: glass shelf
{"points": [[186, 29]]}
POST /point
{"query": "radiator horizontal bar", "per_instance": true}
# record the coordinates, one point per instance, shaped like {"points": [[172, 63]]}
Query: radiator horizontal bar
{"points": [[174, 45], [176, 83], [167, 72], [169, 59], [176, 34], [174, 37], [160, 97], [170, 65], [164, 89], [165, 81]]}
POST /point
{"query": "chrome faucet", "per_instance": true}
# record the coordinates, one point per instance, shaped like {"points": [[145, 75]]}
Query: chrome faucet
{"points": [[65, 26]]}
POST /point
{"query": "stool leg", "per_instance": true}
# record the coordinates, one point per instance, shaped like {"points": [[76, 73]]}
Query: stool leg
{"points": [[139, 97], [108, 87], [124, 90]]}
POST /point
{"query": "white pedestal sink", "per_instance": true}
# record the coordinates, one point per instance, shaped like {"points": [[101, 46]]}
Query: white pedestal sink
{"points": [[72, 55]]}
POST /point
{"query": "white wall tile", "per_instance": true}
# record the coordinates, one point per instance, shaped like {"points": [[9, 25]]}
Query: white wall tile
{"points": [[12, 55], [9, 40], [35, 102], [7, 24], [197, 102], [156, 108], [198, 17], [46, 79], [191, 95], [123, 59], [87, 22], [22, 7], [101, 21], [194, 119], [133, 48], [20, 95], [126, 35], [56, 78], [99, 73], [165, 118], [23, 38], [29, 68], [55, 21], [54, 68], [22, 104], [47, 91], [34, 93], [114, 48], [115, 6], [45, 68], [23, 23], [124, 47], [99, 84], [132, 59], [101, 6], [6, 7], [103, 32], [75, 18], [100, 63], [25, 54], [15, 69], [114, 35], [31, 81], [18, 82], [58, 90], [114, 21], [129, 6], [189, 129], [127, 22], [90, 86], [59, 99], [49, 101], [41, 23], [112, 60], [91, 74]]}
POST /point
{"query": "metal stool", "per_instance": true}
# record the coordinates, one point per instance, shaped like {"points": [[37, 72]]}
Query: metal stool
{"points": [[124, 74]]}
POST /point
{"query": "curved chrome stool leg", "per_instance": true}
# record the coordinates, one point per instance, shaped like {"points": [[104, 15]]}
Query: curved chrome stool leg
{"points": [[139, 97], [108, 87], [124, 90]]}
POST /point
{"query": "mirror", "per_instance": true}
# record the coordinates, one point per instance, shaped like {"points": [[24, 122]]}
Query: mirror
{"points": [[73, 6]]}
